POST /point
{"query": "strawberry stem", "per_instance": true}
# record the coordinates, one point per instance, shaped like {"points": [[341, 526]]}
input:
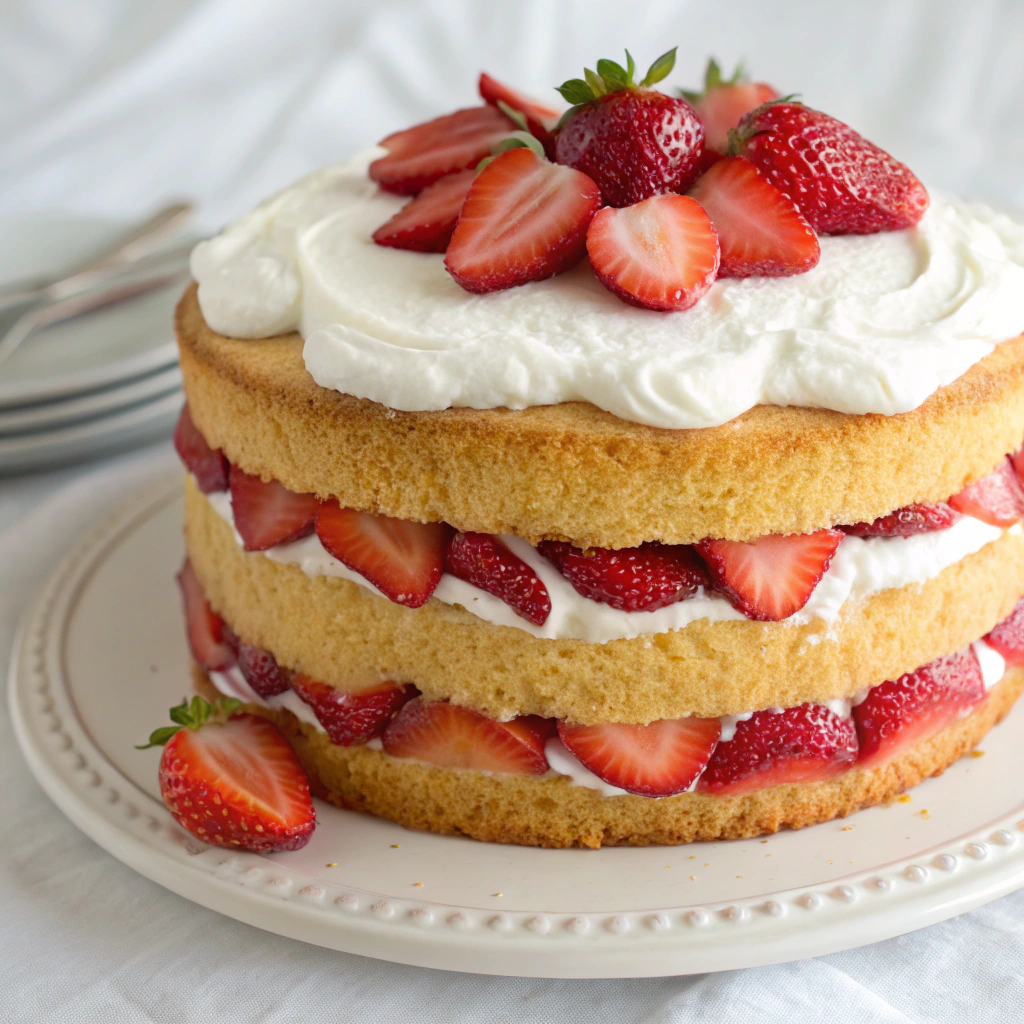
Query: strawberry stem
{"points": [[192, 716], [613, 77]]}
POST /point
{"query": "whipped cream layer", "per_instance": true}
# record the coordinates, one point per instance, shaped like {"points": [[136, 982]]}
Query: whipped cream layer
{"points": [[860, 567], [881, 323], [232, 684]]}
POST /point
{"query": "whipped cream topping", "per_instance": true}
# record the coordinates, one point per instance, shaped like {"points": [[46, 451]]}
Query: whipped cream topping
{"points": [[881, 323], [860, 567]]}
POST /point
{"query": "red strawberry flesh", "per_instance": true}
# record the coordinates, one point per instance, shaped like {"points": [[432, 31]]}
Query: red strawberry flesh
{"points": [[1008, 636], [773, 577], [639, 579], [760, 231], [455, 737], [661, 253], [808, 743], [267, 513], [238, 784], [206, 464], [351, 717], [907, 521], [205, 628], [659, 759], [723, 106], [997, 499], [898, 713], [426, 222], [261, 670], [400, 558], [487, 563], [524, 219]]}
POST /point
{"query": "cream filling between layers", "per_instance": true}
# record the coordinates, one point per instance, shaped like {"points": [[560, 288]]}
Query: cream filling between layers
{"points": [[861, 567]]}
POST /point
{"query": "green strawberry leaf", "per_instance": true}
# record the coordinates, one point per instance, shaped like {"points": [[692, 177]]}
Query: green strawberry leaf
{"points": [[576, 92], [595, 81], [517, 117], [613, 75], [661, 68], [192, 716], [630, 67]]}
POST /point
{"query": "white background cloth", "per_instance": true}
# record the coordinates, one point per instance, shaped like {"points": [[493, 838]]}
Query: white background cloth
{"points": [[109, 106]]}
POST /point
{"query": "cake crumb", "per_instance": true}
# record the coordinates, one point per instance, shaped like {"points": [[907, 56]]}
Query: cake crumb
{"points": [[923, 813], [977, 753], [394, 846], [905, 799], [693, 878], [333, 864], [497, 894], [417, 885], [763, 841], [693, 856], [846, 828]]}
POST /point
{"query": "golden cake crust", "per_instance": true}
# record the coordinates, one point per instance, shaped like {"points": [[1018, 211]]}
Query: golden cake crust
{"points": [[340, 633], [549, 811], [573, 472]]}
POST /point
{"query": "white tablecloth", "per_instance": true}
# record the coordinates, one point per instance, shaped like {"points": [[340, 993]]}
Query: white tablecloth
{"points": [[109, 106]]}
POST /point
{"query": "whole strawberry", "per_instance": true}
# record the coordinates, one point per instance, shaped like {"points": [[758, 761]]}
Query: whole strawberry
{"points": [[842, 184], [634, 141]]}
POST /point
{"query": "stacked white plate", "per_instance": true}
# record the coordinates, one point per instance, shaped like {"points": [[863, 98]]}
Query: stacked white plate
{"points": [[99, 383]]}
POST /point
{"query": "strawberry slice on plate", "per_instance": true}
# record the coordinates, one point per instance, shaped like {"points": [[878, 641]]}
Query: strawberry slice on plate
{"points": [[524, 219], [723, 103], [1008, 636], [455, 737], [267, 513], [205, 628], [259, 668], [900, 712], [997, 499], [539, 119], [232, 779], [661, 253], [351, 717], [206, 464], [402, 559], [488, 564], [640, 579], [658, 759], [418, 156], [772, 577], [426, 222], [907, 521], [760, 231], [808, 743]]}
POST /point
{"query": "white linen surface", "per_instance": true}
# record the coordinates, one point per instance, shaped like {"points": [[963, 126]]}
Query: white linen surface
{"points": [[109, 106]]}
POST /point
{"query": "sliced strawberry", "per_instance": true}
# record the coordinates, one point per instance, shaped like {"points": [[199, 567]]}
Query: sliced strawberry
{"points": [[1018, 464], [204, 626], [400, 558], [639, 579], [259, 668], [658, 759], [997, 499], [772, 577], [661, 253], [426, 222], [455, 737], [540, 119], [723, 102], [808, 743], [523, 220], [488, 564], [907, 521], [267, 513], [418, 156], [233, 781], [902, 711], [351, 717], [760, 231], [1008, 637], [206, 464]]}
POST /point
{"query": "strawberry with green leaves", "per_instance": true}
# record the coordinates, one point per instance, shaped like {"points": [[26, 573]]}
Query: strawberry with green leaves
{"points": [[633, 140]]}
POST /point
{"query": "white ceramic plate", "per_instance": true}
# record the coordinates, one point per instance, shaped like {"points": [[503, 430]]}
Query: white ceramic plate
{"points": [[92, 351], [101, 656], [122, 429]]}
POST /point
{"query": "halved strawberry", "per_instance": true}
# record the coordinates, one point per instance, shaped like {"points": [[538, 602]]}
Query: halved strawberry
{"points": [[523, 220], [661, 253], [232, 779], [267, 513], [540, 119], [1008, 636], [488, 564], [418, 156], [760, 231], [206, 464], [455, 737], [898, 713], [724, 101], [351, 717], [808, 743], [426, 222], [632, 579], [259, 668], [997, 499], [400, 558], [204, 626], [772, 577], [658, 759], [907, 521]]}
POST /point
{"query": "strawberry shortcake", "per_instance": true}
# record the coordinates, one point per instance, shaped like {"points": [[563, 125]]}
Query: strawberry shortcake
{"points": [[645, 471]]}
